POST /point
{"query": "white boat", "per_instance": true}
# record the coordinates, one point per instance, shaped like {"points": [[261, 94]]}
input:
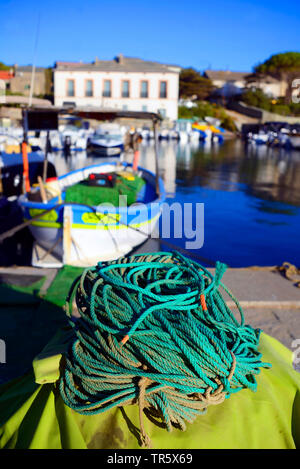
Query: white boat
{"points": [[79, 234], [260, 138], [147, 133], [184, 130], [75, 136], [107, 140], [294, 136], [164, 134], [294, 139]]}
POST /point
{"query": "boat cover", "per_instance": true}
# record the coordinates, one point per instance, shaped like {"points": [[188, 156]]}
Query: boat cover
{"points": [[93, 195], [33, 415]]}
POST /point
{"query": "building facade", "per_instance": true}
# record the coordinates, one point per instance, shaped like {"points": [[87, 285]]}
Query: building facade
{"points": [[22, 77], [230, 83], [122, 83]]}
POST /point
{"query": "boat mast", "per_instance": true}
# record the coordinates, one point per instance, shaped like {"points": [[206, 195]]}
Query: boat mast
{"points": [[34, 61]]}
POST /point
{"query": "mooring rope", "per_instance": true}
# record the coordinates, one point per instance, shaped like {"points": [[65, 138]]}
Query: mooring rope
{"points": [[155, 330]]}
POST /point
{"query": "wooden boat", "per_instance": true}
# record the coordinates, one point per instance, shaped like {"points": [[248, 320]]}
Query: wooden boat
{"points": [[79, 234]]}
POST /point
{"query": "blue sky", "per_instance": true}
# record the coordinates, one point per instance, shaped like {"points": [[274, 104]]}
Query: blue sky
{"points": [[213, 34]]}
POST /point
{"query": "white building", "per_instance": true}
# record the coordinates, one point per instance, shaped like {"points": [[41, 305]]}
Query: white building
{"points": [[230, 83], [123, 83]]}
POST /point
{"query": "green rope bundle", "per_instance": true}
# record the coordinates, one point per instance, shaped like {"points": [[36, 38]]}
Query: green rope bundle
{"points": [[155, 330]]}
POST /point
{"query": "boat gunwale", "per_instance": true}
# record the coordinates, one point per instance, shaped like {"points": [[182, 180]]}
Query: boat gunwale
{"points": [[25, 203]]}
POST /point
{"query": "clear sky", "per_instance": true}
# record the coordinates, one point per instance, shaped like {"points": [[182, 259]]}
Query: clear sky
{"points": [[215, 34]]}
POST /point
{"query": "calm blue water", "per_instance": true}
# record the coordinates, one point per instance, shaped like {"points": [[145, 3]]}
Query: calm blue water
{"points": [[251, 197]]}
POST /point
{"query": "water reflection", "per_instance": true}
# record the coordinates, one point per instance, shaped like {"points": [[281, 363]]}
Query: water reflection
{"points": [[251, 195], [271, 173], [267, 173]]}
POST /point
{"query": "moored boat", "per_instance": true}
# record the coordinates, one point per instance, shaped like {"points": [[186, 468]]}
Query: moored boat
{"points": [[294, 140], [82, 234], [294, 136], [106, 141]]}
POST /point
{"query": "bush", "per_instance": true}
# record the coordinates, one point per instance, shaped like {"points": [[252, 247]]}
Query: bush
{"points": [[257, 98], [206, 109]]}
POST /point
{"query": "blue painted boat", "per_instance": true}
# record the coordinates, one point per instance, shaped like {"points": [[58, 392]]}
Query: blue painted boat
{"points": [[78, 234]]}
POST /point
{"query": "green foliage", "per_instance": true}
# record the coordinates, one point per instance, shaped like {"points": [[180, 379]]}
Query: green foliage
{"points": [[4, 67], [258, 99], [205, 109], [49, 81], [295, 109], [13, 93], [192, 83], [284, 66], [280, 64]]}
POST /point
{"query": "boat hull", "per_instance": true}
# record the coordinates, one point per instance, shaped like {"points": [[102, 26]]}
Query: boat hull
{"points": [[294, 141], [83, 235], [105, 150]]}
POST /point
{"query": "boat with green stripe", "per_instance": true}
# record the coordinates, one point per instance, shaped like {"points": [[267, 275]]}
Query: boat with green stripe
{"points": [[91, 222]]}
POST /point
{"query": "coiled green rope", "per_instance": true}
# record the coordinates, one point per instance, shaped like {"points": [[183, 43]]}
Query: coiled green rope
{"points": [[155, 330]]}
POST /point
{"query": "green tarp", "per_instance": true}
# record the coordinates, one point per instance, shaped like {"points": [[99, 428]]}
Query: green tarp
{"points": [[34, 416], [93, 195]]}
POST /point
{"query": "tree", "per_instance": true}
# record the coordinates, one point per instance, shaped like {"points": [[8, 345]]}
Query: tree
{"points": [[284, 66], [193, 84], [4, 67]]}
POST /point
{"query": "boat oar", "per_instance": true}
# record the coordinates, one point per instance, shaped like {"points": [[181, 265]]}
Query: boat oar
{"points": [[42, 190]]}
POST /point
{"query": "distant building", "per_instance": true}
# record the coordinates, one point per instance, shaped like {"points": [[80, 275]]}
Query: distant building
{"points": [[221, 78], [21, 80], [122, 83], [269, 85], [233, 83]]}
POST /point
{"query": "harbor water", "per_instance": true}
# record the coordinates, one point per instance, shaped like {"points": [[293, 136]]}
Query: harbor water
{"points": [[251, 197]]}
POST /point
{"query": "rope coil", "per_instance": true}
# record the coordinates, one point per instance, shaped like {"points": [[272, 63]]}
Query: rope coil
{"points": [[155, 330]]}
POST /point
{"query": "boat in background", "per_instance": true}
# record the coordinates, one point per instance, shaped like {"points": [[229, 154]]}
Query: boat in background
{"points": [[146, 133], [75, 137], [294, 136], [106, 141], [208, 132]]}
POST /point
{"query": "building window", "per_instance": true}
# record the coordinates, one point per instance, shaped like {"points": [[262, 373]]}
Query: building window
{"points": [[69, 103], [144, 108], [125, 89], [70, 88], [89, 88], [125, 107], [144, 89], [162, 112], [163, 89], [107, 89]]}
